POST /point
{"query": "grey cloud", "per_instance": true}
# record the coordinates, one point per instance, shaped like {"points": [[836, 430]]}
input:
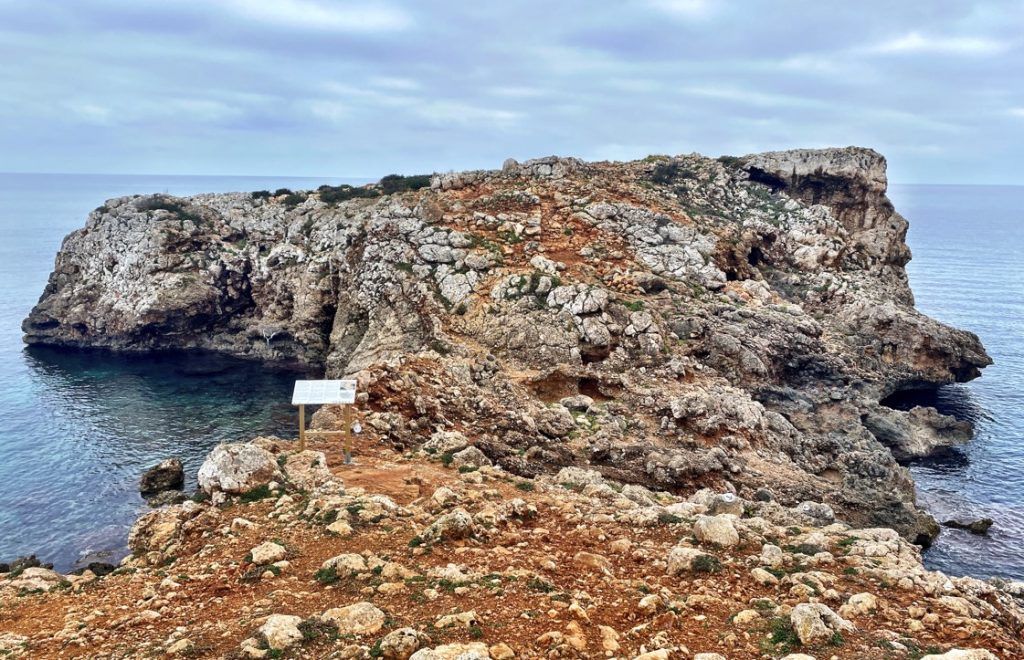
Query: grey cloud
{"points": [[324, 87]]}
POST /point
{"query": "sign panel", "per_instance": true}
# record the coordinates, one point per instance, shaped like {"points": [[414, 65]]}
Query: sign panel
{"points": [[311, 392]]}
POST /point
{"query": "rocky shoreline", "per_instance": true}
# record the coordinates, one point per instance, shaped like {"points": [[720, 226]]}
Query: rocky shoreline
{"points": [[738, 323], [578, 381]]}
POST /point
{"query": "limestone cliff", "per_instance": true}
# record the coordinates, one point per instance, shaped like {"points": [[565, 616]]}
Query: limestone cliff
{"points": [[676, 322]]}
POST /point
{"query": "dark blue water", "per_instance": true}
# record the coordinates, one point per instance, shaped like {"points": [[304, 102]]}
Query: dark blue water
{"points": [[968, 270], [77, 429]]}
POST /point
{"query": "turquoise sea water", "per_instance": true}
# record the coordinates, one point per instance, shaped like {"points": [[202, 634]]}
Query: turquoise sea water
{"points": [[77, 429]]}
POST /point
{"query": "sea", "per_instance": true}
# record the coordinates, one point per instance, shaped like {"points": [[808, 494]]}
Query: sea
{"points": [[78, 428]]}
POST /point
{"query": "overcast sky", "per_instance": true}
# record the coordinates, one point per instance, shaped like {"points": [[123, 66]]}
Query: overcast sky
{"points": [[326, 87]]}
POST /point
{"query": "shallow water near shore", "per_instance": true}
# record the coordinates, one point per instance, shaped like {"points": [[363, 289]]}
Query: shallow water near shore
{"points": [[78, 428], [968, 271]]}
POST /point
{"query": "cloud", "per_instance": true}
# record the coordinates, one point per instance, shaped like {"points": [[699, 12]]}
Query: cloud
{"points": [[751, 97], [685, 8], [400, 84], [331, 111], [916, 42], [320, 16], [454, 112], [406, 86]]}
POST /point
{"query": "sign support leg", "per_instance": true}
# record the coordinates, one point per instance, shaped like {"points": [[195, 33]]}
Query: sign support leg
{"points": [[302, 427], [347, 429]]}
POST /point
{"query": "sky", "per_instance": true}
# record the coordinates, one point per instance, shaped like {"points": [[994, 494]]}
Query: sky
{"points": [[369, 87]]}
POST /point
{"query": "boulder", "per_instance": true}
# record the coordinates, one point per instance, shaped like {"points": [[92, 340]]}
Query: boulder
{"points": [[458, 620], [470, 457], [681, 559], [859, 604], [156, 531], [237, 468], [346, 564], [815, 622], [962, 654], [445, 442], [471, 651], [169, 474], [979, 526], [555, 421], [726, 503], [36, 578], [402, 643], [716, 530], [451, 526], [307, 470], [357, 619], [281, 631], [267, 553], [817, 513]]}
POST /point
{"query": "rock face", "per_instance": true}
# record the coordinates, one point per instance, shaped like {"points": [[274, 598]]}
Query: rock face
{"points": [[167, 475], [732, 322]]}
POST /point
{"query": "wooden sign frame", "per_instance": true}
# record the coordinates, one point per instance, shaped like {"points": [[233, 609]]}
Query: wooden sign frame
{"points": [[326, 392]]}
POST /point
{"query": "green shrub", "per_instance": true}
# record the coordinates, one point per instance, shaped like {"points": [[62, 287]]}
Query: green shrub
{"points": [[395, 183], [293, 200], [525, 486], [179, 208], [707, 564], [313, 629], [260, 194], [666, 518], [540, 585], [327, 575], [783, 635], [256, 494], [282, 191], [665, 173], [344, 192], [808, 549]]}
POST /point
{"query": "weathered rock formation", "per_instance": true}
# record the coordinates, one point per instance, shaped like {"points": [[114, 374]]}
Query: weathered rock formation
{"points": [[673, 322]]}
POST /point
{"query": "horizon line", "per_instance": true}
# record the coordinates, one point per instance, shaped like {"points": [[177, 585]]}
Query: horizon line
{"points": [[376, 178]]}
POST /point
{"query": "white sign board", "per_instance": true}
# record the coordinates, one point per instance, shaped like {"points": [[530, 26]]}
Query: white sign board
{"points": [[308, 392]]}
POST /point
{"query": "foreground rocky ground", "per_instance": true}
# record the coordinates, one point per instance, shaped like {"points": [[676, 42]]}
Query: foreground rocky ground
{"points": [[436, 553]]}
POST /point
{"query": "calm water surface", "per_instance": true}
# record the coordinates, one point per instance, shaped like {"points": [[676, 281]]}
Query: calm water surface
{"points": [[968, 270], [77, 429]]}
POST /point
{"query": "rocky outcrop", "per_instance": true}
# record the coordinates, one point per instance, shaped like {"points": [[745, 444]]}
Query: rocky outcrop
{"points": [[169, 474], [732, 322]]}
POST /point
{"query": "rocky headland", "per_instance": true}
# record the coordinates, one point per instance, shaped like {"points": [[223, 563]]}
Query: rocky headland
{"points": [[608, 374]]}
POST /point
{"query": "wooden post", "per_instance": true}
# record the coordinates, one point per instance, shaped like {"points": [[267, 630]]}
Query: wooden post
{"points": [[302, 427], [347, 430]]}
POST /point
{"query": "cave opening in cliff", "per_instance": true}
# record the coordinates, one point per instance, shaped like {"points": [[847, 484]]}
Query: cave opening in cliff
{"points": [[755, 256], [954, 400], [593, 388], [906, 399]]}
